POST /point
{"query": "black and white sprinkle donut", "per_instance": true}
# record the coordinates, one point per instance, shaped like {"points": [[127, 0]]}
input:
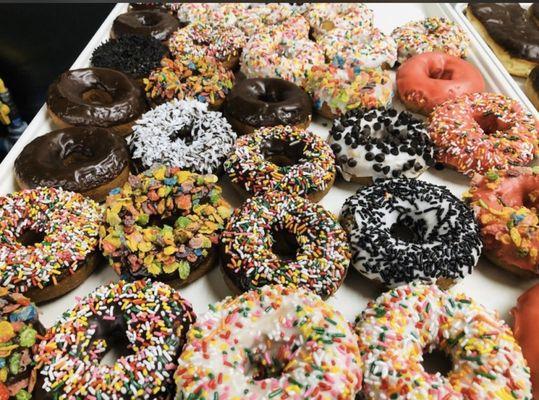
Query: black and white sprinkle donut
{"points": [[184, 134], [380, 143], [406, 229]]}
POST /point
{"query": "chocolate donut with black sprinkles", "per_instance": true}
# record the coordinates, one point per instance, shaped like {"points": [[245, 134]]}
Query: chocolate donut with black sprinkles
{"points": [[380, 143], [406, 229]]}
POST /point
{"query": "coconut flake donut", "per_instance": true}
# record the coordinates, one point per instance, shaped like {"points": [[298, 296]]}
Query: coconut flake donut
{"points": [[271, 343], [380, 143], [397, 328], [480, 131], [184, 134], [148, 319], [284, 158], [406, 229], [430, 34], [324, 17], [48, 241], [278, 238]]}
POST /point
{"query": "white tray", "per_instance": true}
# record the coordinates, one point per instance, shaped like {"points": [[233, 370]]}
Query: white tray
{"points": [[489, 285]]}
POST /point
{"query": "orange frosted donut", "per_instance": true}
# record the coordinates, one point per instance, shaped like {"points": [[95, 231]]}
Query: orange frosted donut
{"points": [[480, 131]]}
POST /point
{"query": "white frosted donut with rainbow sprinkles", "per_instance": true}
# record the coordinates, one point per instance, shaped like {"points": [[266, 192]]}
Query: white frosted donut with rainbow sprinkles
{"points": [[323, 17]]}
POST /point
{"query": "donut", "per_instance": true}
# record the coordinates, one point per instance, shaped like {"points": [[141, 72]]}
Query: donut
{"points": [[147, 320], [48, 241], [336, 90], [398, 328], [164, 224], [264, 102], [272, 343], [505, 203], [324, 17], [99, 97], [380, 143], [406, 229], [223, 42], [20, 330], [90, 161], [511, 33], [533, 12], [277, 238], [133, 55], [184, 134], [480, 131], [155, 23], [428, 79], [282, 158], [531, 87], [185, 78], [193, 12], [428, 35]]}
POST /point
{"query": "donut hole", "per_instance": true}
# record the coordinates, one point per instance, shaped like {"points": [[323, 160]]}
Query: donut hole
{"points": [[184, 133], [437, 361], [282, 153], [490, 123], [443, 74], [118, 346], [97, 96], [31, 237], [76, 154], [149, 19], [269, 359], [159, 221], [285, 245], [408, 229]]}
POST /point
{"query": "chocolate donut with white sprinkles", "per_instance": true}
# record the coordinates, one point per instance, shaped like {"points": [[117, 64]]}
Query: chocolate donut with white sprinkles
{"points": [[403, 230], [380, 143]]}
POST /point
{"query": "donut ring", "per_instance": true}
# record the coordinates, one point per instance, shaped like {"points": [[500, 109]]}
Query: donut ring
{"points": [[313, 245], [150, 317], [406, 229], [324, 17], [397, 327], [266, 344], [282, 158], [480, 131]]}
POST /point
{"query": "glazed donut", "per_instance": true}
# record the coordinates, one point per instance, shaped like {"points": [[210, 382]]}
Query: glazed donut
{"points": [[381, 143], [164, 224], [48, 241], [336, 90], [397, 328], [148, 319], [90, 161], [264, 102], [203, 79], [223, 42], [282, 158], [324, 17], [184, 134], [480, 131], [428, 79], [267, 344], [531, 87], [155, 23], [428, 35], [505, 203], [277, 238], [98, 97], [406, 229]]}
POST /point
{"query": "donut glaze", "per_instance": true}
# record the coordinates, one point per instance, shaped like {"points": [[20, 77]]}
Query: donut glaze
{"points": [[428, 79], [154, 23]]}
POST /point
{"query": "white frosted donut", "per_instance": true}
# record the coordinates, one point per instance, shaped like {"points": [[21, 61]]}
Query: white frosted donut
{"points": [[323, 17]]}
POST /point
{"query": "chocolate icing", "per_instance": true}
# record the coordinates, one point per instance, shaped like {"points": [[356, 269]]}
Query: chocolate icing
{"points": [[154, 23], [76, 159], [534, 10], [268, 102], [534, 78], [511, 27], [96, 97]]}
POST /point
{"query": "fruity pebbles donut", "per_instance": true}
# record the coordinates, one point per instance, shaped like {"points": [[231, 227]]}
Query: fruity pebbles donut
{"points": [[480, 131], [271, 343], [164, 224], [48, 241], [277, 238], [397, 328], [146, 320]]}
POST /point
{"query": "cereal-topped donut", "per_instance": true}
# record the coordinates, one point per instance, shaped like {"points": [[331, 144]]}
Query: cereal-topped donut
{"points": [[48, 241], [276, 238], [184, 134], [403, 230], [396, 330], [282, 158], [430, 34], [271, 343], [480, 131], [324, 17], [165, 224], [146, 321]]}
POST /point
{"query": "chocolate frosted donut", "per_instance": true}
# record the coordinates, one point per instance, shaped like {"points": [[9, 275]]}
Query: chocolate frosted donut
{"points": [[95, 97], [263, 102], [154, 23], [91, 161], [531, 87]]}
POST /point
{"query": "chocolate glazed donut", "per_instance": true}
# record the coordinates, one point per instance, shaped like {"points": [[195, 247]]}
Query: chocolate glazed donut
{"points": [[91, 161], [265, 102], [154, 23]]}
